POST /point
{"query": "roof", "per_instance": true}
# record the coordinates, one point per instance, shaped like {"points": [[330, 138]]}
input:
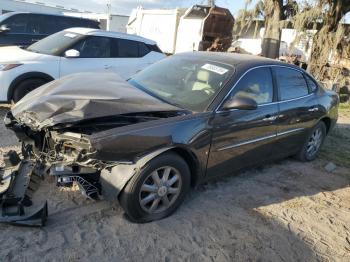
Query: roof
{"points": [[234, 59], [9, 14], [99, 32]]}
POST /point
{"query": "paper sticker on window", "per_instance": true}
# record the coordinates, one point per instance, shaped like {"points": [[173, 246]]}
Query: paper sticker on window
{"points": [[70, 35], [216, 69]]}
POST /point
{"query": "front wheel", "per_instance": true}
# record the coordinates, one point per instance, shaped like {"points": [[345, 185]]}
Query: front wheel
{"points": [[157, 190], [26, 87], [313, 144]]}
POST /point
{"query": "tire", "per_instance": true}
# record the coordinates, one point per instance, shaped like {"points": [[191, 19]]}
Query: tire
{"points": [[25, 87], [313, 143], [135, 198]]}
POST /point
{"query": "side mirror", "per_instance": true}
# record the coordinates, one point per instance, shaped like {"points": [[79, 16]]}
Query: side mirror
{"points": [[4, 29], [72, 53], [241, 103]]}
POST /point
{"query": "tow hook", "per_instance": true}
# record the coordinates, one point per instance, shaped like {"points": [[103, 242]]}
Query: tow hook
{"points": [[18, 182]]}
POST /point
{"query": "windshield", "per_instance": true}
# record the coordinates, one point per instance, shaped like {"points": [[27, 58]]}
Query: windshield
{"points": [[55, 44], [188, 83]]}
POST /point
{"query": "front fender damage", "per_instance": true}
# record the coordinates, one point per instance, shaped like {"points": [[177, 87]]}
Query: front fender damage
{"points": [[113, 180]]}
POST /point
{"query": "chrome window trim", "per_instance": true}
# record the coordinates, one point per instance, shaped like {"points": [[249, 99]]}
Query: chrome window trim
{"points": [[260, 139], [272, 103]]}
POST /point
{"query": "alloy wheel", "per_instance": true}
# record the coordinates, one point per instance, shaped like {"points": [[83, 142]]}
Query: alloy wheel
{"points": [[315, 142], [160, 190]]}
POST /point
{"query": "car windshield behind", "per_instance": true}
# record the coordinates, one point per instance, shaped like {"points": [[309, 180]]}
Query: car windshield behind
{"points": [[188, 83], [55, 44]]}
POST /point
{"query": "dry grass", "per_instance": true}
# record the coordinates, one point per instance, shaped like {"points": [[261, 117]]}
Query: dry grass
{"points": [[337, 145]]}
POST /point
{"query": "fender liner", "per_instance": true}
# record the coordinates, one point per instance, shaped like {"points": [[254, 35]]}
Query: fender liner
{"points": [[26, 76], [114, 180]]}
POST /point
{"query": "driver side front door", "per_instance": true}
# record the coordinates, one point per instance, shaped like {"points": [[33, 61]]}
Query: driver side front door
{"points": [[243, 138]]}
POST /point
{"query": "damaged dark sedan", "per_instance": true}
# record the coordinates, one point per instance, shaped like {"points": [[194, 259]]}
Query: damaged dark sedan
{"points": [[147, 141]]}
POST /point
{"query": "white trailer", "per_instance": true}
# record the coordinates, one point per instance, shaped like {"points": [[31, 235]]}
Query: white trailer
{"points": [[159, 25], [180, 30]]}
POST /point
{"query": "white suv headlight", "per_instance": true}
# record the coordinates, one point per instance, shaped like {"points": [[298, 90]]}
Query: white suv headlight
{"points": [[6, 67]]}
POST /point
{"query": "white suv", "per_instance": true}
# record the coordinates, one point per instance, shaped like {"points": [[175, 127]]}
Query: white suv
{"points": [[71, 51]]}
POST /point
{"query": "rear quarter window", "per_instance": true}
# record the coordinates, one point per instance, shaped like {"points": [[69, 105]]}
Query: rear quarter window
{"points": [[130, 49], [312, 85], [291, 83]]}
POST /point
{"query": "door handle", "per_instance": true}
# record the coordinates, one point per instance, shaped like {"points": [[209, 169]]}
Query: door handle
{"points": [[107, 66], [313, 109], [270, 118]]}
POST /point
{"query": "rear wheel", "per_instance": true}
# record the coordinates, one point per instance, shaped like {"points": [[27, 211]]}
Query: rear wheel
{"points": [[25, 87], [313, 144], [157, 190]]}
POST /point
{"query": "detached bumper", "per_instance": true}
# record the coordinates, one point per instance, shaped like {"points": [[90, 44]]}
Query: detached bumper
{"points": [[17, 185]]}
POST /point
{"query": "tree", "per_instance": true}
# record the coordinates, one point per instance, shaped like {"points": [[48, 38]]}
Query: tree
{"points": [[275, 13], [321, 15], [329, 38]]}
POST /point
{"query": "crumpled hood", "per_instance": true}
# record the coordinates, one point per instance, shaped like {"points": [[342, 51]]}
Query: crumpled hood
{"points": [[83, 96]]}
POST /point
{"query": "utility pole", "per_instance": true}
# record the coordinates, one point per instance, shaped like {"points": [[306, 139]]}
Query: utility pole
{"points": [[109, 14], [211, 2]]}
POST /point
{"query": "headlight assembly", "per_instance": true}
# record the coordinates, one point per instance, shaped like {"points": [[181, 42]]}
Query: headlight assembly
{"points": [[6, 67]]}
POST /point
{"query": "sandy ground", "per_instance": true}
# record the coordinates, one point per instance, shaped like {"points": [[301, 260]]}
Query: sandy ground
{"points": [[287, 211]]}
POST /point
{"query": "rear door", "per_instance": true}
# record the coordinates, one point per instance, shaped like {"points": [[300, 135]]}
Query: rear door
{"points": [[245, 137], [299, 110], [96, 55]]}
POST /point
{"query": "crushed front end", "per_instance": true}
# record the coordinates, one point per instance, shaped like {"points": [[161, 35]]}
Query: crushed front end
{"points": [[78, 133], [63, 155]]}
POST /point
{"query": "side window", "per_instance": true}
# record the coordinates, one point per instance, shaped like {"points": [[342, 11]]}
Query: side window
{"points": [[63, 23], [128, 48], [94, 47], [256, 84], [50, 25], [143, 49], [312, 85], [17, 24], [76, 22], [291, 83], [36, 24]]}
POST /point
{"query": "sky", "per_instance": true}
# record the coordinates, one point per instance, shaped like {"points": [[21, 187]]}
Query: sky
{"points": [[125, 6]]}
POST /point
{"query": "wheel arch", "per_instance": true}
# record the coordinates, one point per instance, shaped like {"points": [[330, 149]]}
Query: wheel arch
{"points": [[26, 76], [114, 181], [328, 123], [191, 160]]}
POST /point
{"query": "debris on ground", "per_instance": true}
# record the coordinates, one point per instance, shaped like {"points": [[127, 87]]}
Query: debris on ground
{"points": [[330, 167]]}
